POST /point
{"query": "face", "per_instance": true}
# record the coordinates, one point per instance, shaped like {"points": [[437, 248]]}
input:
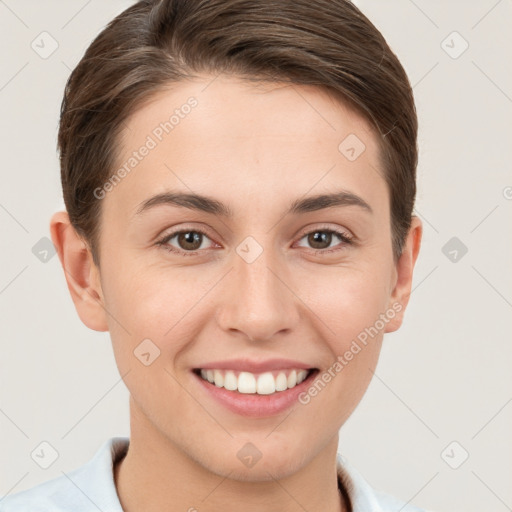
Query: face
{"points": [[254, 284]]}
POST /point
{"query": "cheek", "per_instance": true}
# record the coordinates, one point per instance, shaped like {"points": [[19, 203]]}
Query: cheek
{"points": [[351, 304], [154, 323], [348, 302], [154, 304]]}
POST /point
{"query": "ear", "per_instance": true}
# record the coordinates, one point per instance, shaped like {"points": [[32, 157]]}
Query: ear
{"points": [[82, 275], [404, 269]]}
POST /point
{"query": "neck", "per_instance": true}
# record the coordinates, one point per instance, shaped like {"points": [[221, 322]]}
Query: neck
{"points": [[156, 475]]}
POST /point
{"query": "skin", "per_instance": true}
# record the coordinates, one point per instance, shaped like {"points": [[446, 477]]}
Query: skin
{"points": [[255, 148]]}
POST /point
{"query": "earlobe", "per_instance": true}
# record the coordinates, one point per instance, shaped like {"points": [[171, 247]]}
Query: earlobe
{"points": [[404, 273], [82, 276]]}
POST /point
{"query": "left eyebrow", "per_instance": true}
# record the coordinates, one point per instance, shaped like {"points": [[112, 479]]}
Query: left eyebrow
{"points": [[210, 205], [322, 201]]}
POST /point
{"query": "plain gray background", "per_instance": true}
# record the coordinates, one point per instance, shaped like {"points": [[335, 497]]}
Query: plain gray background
{"points": [[442, 389]]}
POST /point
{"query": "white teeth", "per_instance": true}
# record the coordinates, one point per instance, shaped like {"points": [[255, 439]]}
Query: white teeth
{"points": [[300, 376], [281, 382], [246, 383], [230, 381], [292, 379], [218, 378], [266, 384], [249, 383]]}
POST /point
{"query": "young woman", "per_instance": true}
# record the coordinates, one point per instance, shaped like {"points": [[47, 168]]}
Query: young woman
{"points": [[239, 179]]}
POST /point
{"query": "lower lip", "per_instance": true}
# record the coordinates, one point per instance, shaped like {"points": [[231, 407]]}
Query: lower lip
{"points": [[255, 405]]}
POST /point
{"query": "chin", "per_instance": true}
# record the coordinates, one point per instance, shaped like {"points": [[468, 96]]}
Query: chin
{"points": [[247, 464]]}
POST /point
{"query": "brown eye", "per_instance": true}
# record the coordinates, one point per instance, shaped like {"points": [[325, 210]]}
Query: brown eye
{"points": [[185, 242], [189, 240], [322, 240], [319, 239]]}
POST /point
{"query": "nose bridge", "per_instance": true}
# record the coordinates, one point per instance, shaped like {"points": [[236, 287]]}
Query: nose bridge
{"points": [[257, 303]]}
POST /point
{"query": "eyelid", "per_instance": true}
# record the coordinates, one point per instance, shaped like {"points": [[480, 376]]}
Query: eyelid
{"points": [[326, 227], [172, 231]]}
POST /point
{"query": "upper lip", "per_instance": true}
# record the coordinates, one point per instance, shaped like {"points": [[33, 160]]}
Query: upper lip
{"points": [[255, 366]]}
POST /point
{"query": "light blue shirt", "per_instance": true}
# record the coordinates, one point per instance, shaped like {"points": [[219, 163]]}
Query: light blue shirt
{"points": [[91, 488]]}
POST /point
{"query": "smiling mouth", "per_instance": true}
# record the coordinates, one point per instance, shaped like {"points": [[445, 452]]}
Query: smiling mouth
{"points": [[266, 383]]}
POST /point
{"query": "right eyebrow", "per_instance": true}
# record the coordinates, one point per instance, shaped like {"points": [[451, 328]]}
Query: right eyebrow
{"points": [[186, 200]]}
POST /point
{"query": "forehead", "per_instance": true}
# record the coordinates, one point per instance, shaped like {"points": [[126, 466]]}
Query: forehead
{"points": [[231, 138]]}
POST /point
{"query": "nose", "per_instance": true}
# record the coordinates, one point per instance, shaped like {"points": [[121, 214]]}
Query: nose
{"points": [[258, 299]]}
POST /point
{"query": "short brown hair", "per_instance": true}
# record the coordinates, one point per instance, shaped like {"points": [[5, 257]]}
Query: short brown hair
{"points": [[327, 43]]}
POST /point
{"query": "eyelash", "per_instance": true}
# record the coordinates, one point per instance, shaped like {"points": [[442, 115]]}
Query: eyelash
{"points": [[343, 236]]}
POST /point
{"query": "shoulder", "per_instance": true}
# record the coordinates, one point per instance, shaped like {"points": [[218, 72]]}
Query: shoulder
{"points": [[364, 497], [51, 495], [88, 488]]}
